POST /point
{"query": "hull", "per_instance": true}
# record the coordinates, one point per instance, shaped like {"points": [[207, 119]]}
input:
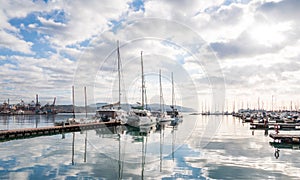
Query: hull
{"points": [[112, 114], [138, 121], [164, 119]]}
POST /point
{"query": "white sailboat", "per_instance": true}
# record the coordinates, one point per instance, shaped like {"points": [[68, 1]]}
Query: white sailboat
{"points": [[140, 116], [109, 112], [174, 113], [162, 116]]}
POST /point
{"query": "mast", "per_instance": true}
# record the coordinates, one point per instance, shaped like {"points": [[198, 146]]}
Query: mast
{"points": [[233, 108], [85, 140], [160, 92], [73, 102], [227, 105], [258, 104], [272, 104], [172, 92], [85, 102], [36, 100], [143, 81], [205, 109], [119, 73]]}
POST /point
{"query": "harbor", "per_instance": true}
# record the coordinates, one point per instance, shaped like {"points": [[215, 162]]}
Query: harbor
{"points": [[160, 137], [282, 127], [149, 89]]}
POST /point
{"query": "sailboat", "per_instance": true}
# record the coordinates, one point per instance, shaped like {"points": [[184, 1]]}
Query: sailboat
{"points": [[140, 116], [174, 113], [109, 112], [162, 116]]}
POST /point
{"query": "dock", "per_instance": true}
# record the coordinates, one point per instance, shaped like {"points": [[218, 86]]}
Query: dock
{"points": [[7, 135], [286, 138], [280, 126]]}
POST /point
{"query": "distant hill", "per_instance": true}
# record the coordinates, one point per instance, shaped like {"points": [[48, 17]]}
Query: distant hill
{"points": [[93, 107], [78, 109], [156, 107]]}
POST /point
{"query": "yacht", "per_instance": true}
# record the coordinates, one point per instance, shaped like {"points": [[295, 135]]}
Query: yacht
{"points": [[140, 116], [110, 112]]}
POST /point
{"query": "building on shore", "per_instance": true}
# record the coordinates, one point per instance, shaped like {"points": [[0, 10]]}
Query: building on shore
{"points": [[22, 108]]}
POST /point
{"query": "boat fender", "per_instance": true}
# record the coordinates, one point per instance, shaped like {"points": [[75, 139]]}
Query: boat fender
{"points": [[276, 154]]}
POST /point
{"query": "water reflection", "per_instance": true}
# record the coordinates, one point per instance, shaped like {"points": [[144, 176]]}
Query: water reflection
{"points": [[283, 146], [26, 121], [156, 152], [137, 148], [34, 121], [73, 147], [85, 146]]}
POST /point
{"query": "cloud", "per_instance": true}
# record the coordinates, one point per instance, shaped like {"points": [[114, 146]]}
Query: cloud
{"points": [[93, 19], [282, 10], [50, 23], [265, 34], [30, 76], [14, 43], [66, 41]]}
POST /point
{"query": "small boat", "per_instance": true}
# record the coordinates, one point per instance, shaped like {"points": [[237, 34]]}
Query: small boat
{"points": [[5, 112], [195, 113], [109, 113], [69, 121]]}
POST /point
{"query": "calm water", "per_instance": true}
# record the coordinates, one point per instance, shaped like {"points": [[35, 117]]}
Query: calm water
{"points": [[215, 147]]}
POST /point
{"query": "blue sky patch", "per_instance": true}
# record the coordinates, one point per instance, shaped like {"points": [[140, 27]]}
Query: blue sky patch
{"points": [[41, 47], [10, 52], [56, 15], [116, 25], [137, 5], [228, 2], [68, 56]]}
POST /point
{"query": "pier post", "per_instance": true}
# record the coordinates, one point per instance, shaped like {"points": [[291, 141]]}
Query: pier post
{"points": [[265, 123]]}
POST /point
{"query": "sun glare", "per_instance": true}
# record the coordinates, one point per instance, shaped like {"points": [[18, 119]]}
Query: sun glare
{"points": [[269, 34]]}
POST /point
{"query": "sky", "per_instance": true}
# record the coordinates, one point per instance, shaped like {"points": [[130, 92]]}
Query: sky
{"points": [[221, 52]]}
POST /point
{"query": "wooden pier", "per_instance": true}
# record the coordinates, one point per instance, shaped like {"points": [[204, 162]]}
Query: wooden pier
{"points": [[286, 138], [52, 130], [280, 126]]}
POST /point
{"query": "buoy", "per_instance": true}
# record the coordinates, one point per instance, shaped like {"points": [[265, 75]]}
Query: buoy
{"points": [[276, 154]]}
